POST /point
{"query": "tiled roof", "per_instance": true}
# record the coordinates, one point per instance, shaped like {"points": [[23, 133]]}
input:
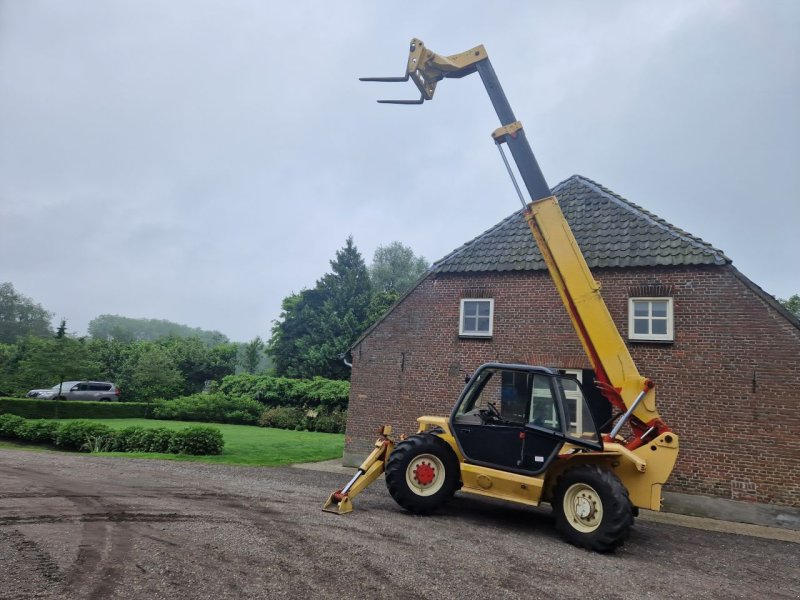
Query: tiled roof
{"points": [[611, 232]]}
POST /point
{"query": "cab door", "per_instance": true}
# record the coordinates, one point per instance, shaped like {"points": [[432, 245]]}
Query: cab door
{"points": [[492, 423]]}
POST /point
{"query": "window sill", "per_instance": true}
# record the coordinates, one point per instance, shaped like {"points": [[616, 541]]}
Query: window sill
{"points": [[657, 342], [473, 336]]}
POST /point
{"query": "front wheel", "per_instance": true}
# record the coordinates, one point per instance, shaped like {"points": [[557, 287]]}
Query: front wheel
{"points": [[422, 473], [592, 508]]}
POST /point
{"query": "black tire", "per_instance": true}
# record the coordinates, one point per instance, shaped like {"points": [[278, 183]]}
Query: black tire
{"points": [[422, 473], [592, 508]]}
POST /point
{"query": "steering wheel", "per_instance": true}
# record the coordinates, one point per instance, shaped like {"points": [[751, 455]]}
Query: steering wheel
{"points": [[490, 413], [492, 410]]}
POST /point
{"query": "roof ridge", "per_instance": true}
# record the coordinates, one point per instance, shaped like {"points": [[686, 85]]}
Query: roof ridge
{"points": [[663, 224]]}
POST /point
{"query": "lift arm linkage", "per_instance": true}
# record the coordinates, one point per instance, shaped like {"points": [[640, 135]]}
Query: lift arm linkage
{"points": [[617, 376], [340, 501]]}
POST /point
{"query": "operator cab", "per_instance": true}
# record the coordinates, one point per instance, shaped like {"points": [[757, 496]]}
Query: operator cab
{"points": [[517, 418]]}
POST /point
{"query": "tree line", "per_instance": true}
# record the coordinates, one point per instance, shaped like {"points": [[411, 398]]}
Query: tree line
{"points": [[152, 358]]}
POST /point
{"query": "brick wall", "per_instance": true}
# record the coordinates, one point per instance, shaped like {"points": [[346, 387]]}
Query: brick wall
{"points": [[738, 436]]}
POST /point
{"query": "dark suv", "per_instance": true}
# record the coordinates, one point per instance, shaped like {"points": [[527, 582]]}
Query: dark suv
{"points": [[101, 391]]}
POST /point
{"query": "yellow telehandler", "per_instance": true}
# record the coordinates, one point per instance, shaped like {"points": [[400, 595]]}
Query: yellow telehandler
{"points": [[523, 433]]}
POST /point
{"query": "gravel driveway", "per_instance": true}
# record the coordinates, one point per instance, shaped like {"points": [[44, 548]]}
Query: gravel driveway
{"points": [[77, 526]]}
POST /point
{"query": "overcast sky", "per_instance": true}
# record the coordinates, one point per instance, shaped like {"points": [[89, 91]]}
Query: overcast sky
{"points": [[199, 160]]}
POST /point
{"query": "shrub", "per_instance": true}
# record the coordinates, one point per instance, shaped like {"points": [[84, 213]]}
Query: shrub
{"points": [[141, 439], [11, 425], [197, 440], [124, 440], [283, 391], [39, 430], [330, 423], [283, 417], [75, 435], [213, 408]]}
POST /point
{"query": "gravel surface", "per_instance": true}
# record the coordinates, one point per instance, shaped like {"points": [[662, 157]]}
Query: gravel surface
{"points": [[77, 526]]}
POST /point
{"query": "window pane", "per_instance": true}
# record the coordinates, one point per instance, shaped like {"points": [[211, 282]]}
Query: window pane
{"points": [[659, 308], [470, 309], [543, 408], [640, 326], [469, 324], [483, 309], [640, 309], [483, 324], [660, 326]]}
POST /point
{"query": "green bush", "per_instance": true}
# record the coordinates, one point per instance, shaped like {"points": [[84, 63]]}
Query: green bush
{"points": [[39, 431], [283, 417], [210, 408], [33, 408], [283, 391], [11, 425], [329, 423], [141, 439], [126, 439], [197, 440], [76, 435]]}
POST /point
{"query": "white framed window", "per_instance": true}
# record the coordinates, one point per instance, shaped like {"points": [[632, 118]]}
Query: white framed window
{"points": [[477, 317], [650, 319]]}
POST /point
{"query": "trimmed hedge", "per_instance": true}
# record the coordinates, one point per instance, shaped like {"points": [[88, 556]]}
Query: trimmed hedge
{"points": [[210, 408], [282, 391], [32, 408], [87, 436]]}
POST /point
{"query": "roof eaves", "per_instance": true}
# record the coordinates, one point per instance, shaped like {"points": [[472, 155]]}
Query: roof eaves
{"points": [[768, 298]]}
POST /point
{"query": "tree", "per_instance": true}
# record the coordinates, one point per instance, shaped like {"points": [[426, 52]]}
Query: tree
{"points": [[126, 329], [380, 303], [198, 362], [250, 355], [21, 316], [42, 362], [395, 267], [792, 304], [150, 373], [317, 326], [61, 332]]}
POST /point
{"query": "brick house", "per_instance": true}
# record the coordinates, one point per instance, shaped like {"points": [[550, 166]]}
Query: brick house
{"points": [[725, 355]]}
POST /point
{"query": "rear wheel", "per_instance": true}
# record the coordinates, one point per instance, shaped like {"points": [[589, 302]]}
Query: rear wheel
{"points": [[592, 508], [422, 473]]}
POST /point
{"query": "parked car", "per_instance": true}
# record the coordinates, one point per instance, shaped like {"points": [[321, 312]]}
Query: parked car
{"points": [[101, 391]]}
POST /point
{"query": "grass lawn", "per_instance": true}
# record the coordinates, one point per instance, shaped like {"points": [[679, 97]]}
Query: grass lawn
{"points": [[244, 444]]}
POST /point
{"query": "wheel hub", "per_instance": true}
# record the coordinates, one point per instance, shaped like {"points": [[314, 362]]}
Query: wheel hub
{"points": [[424, 473], [584, 509]]}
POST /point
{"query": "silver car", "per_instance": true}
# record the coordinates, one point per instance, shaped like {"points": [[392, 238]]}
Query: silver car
{"points": [[100, 391]]}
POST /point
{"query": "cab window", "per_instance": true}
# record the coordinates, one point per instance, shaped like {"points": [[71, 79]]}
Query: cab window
{"points": [[544, 411], [579, 418], [503, 392]]}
